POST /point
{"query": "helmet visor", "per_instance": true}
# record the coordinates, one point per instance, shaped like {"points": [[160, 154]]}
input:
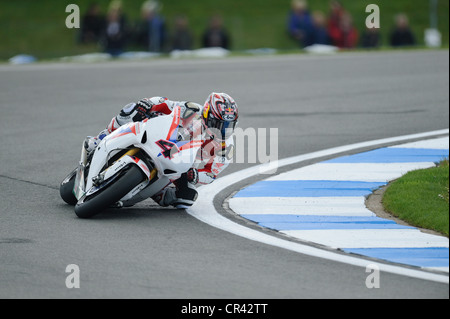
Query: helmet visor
{"points": [[221, 128]]}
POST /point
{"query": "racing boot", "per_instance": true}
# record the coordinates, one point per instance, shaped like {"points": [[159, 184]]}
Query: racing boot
{"points": [[183, 195], [91, 142]]}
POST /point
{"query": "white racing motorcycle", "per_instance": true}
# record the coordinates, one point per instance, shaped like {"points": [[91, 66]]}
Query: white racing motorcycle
{"points": [[134, 162]]}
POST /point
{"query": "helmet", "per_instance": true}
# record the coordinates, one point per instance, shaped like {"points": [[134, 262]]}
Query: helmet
{"points": [[220, 114]]}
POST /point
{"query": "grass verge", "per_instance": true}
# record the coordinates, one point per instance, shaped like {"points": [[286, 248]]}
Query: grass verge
{"points": [[421, 198]]}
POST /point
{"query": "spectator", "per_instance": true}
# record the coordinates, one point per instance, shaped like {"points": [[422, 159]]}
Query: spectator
{"points": [[371, 38], [151, 31], [300, 23], [349, 34], [340, 27], [115, 31], [402, 34], [319, 34], [334, 21], [215, 35], [182, 38], [92, 25]]}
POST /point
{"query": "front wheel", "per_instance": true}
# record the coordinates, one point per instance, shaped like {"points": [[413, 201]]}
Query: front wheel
{"points": [[66, 188], [91, 205]]}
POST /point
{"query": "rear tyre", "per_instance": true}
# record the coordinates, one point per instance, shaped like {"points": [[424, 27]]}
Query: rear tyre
{"points": [[89, 206], [66, 188]]}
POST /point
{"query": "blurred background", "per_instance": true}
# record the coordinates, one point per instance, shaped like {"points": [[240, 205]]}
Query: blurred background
{"points": [[38, 27]]}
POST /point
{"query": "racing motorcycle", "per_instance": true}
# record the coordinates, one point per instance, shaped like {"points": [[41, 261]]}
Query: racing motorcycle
{"points": [[134, 162]]}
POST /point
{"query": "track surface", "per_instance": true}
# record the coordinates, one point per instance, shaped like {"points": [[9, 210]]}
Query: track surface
{"points": [[148, 252]]}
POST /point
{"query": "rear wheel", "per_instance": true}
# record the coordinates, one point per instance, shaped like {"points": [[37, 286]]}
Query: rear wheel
{"points": [[91, 205], [66, 188]]}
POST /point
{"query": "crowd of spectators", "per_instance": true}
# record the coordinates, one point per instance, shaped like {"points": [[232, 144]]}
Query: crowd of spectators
{"points": [[115, 33], [338, 29]]}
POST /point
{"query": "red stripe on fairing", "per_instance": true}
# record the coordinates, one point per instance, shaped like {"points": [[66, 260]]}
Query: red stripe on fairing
{"points": [[133, 129], [124, 131], [175, 122], [191, 144]]}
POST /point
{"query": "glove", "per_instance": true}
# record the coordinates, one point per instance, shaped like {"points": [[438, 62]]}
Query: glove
{"points": [[142, 110], [192, 176], [145, 103]]}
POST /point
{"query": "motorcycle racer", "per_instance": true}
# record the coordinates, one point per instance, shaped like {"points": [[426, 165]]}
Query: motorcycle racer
{"points": [[219, 118]]}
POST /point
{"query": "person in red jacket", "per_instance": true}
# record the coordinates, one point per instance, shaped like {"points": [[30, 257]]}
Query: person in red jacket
{"points": [[342, 32], [348, 36], [219, 116]]}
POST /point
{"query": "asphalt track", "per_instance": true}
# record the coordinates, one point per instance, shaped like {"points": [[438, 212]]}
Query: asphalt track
{"points": [[316, 102]]}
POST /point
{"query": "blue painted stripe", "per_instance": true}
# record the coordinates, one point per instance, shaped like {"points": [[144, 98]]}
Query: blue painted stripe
{"points": [[275, 218], [308, 189], [395, 155], [310, 222], [420, 257], [322, 226]]}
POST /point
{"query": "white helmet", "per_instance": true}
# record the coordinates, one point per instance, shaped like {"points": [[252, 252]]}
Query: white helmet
{"points": [[220, 113]]}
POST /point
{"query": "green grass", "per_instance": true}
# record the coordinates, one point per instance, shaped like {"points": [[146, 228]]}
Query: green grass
{"points": [[37, 27], [421, 198]]}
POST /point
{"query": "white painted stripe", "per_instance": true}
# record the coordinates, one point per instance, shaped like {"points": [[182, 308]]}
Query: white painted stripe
{"points": [[325, 206], [370, 238], [204, 209], [443, 269], [364, 172], [437, 144]]}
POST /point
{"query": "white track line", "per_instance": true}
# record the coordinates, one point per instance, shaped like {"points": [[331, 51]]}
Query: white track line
{"points": [[205, 211]]}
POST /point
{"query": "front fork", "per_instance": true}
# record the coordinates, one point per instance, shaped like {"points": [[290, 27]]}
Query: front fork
{"points": [[80, 185]]}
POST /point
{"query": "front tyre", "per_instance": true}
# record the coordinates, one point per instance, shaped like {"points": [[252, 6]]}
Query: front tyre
{"points": [[66, 188], [89, 206]]}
